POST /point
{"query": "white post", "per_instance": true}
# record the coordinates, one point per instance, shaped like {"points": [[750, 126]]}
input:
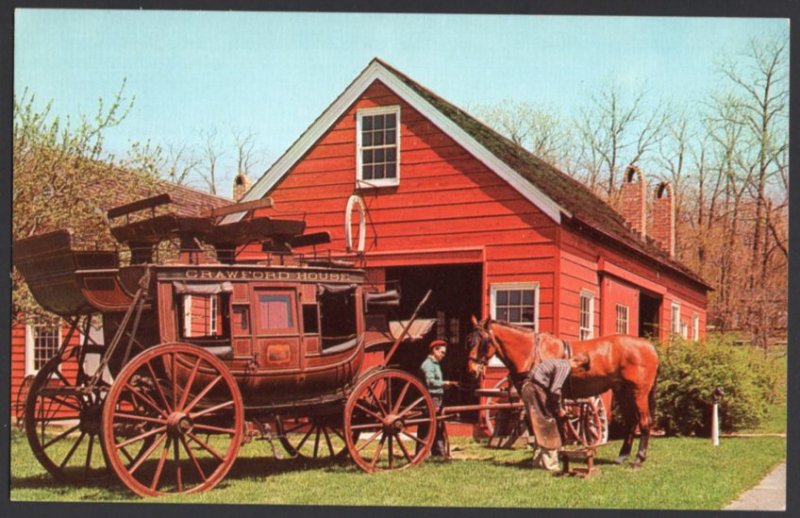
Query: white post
{"points": [[715, 424]]}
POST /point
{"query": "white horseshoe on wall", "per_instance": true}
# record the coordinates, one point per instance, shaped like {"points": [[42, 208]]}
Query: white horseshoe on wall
{"points": [[362, 224]]}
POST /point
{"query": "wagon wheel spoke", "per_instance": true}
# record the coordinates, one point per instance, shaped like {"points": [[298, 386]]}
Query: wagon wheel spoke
{"points": [[205, 446], [369, 412], [369, 441], [212, 409], [61, 403], [194, 459], [174, 365], [411, 406], [377, 401], [366, 426], [143, 418], [145, 398], [378, 450], [158, 386], [145, 435], [161, 461], [328, 441], [188, 387], [60, 436], [177, 456], [400, 398], [72, 450], [415, 438], [305, 437], [403, 449], [202, 394], [296, 427], [88, 464], [149, 451], [390, 452]]}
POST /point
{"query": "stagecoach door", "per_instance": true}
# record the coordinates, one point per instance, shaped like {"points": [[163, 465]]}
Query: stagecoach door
{"points": [[275, 328]]}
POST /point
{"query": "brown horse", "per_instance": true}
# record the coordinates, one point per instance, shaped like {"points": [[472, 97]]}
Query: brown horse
{"points": [[625, 364]]}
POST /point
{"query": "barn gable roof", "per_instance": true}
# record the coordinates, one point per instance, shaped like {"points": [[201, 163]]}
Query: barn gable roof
{"points": [[555, 193]]}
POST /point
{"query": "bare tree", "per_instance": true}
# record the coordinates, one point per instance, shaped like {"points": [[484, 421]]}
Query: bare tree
{"points": [[211, 155]]}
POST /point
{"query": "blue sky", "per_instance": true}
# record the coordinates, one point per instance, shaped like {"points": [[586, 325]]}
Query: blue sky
{"points": [[274, 73]]}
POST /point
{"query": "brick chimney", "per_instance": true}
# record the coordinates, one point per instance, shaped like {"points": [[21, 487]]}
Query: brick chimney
{"points": [[634, 199], [241, 184], [663, 225]]}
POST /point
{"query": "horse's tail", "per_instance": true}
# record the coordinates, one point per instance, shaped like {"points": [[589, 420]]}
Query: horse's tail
{"points": [[651, 397]]}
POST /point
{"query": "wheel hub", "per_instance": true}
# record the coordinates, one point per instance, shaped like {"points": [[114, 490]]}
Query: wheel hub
{"points": [[393, 424], [90, 419], [178, 423]]}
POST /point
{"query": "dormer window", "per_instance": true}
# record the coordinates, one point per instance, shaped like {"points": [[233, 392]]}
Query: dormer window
{"points": [[378, 142]]}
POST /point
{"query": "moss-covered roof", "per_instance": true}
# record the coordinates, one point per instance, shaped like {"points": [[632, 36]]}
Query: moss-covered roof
{"points": [[585, 207]]}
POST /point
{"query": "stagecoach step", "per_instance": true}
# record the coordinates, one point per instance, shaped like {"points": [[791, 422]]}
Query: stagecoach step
{"points": [[586, 454]]}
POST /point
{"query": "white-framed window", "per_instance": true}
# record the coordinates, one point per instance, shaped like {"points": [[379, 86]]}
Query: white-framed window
{"points": [[41, 343], [213, 309], [378, 146], [676, 319], [622, 319], [187, 316], [695, 326], [684, 330], [441, 323], [517, 303], [586, 324]]}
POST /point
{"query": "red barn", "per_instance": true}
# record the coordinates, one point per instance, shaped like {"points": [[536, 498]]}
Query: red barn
{"points": [[450, 204]]}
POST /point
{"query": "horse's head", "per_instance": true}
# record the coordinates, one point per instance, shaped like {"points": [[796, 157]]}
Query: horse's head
{"points": [[480, 346]]}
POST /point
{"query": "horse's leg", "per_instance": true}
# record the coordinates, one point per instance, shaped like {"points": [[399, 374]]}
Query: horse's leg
{"points": [[645, 421], [626, 405]]}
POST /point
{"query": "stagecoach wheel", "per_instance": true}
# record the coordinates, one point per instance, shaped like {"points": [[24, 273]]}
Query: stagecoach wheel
{"points": [[489, 415], [587, 422], [314, 438], [62, 421], [180, 408], [389, 421]]}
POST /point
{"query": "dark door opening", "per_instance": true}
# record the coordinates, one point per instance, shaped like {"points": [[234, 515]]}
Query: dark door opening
{"points": [[456, 296], [649, 307]]}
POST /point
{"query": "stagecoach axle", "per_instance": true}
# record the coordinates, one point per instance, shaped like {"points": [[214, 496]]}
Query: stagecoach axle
{"points": [[469, 408]]}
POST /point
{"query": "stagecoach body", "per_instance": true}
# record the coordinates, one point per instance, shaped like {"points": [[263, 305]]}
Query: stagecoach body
{"points": [[202, 351]]}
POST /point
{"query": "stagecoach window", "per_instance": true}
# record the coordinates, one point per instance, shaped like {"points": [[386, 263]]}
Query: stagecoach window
{"points": [[310, 319], [241, 320], [337, 306], [204, 316], [275, 311], [515, 303]]}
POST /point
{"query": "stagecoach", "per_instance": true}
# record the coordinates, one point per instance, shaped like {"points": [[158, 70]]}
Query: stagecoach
{"points": [[204, 348]]}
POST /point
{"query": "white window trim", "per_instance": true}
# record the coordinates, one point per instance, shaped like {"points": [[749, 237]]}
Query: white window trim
{"points": [[675, 324], [383, 182], [495, 287], [627, 318], [695, 326], [213, 311], [30, 344], [187, 316], [590, 295]]}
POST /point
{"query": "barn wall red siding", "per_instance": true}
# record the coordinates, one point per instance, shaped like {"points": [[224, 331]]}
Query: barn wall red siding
{"points": [[581, 260], [446, 200]]}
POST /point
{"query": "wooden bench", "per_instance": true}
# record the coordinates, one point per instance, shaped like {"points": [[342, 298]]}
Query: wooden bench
{"points": [[586, 454]]}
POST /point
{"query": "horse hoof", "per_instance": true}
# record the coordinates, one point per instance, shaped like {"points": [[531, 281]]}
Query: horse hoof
{"points": [[620, 460]]}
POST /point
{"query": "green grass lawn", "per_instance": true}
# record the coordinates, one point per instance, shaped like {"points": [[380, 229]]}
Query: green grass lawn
{"points": [[680, 473]]}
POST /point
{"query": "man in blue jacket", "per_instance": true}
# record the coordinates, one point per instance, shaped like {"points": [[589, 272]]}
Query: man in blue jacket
{"points": [[431, 374]]}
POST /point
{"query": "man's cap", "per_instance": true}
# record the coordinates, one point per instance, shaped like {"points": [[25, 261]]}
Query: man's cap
{"points": [[436, 343]]}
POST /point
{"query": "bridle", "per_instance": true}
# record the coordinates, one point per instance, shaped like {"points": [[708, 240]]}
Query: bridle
{"points": [[486, 338]]}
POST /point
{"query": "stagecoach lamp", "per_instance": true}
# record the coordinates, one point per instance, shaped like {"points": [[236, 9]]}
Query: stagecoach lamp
{"points": [[715, 397]]}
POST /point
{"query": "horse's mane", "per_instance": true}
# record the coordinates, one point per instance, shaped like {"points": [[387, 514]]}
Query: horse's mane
{"points": [[517, 327]]}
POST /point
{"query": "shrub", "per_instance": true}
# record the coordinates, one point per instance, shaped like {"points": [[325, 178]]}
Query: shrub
{"points": [[689, 373]]}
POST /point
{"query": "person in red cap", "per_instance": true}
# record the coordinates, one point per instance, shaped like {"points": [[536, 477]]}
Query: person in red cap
{"points": [[431, 373]]}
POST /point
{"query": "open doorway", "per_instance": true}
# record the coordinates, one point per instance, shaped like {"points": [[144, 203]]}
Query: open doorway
{"points": [[649, 306], [456, 296]]}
